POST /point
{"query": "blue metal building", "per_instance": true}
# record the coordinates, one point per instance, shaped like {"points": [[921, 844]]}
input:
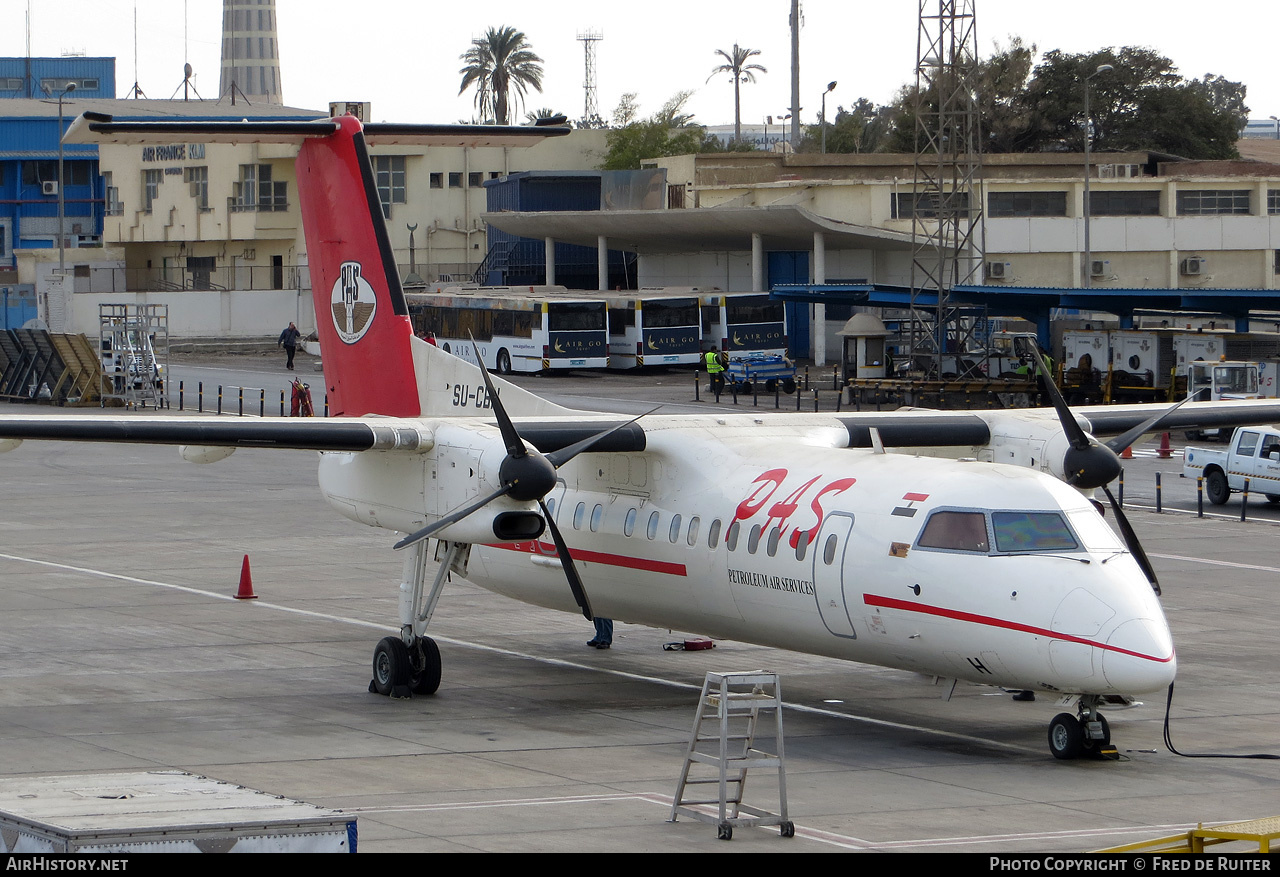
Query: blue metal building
{"points": [[519, 261], [43, 77]]}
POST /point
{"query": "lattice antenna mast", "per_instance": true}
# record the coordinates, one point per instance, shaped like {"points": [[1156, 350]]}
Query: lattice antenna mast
{"points": [[591, 110], [947, 229]]}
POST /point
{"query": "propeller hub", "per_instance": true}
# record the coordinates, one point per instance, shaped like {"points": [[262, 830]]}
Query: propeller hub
{"points": [[1092, 466], [531, 476]]}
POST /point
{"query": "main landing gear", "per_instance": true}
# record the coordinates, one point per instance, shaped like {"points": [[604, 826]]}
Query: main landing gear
{"points": [[1088, 736], [409, 664]]}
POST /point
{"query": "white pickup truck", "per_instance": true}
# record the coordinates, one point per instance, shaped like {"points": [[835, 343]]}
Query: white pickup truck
{"points": [[1252, 456]]}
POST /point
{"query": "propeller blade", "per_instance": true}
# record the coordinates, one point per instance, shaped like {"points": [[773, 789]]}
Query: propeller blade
{"points": [[1075, 433], [564, 455], [1131, 542], [452, 518], [1086, 463], [511, 438], [566, 562], [1122, 441]]}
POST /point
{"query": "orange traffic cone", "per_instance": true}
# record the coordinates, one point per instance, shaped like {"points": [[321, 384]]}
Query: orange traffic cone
{"points": [[246, 582], [1165, 451], [1127, 453]]}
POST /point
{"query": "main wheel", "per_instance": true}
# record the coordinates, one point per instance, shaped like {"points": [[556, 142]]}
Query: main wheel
{"points": [[788, 386], [1217, 487], [504, 362], [1066, 737], [425, 678], [391, 666]]}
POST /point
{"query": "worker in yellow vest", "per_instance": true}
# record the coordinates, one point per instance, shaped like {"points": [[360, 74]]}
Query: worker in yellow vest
{"points": [[716, 363]]}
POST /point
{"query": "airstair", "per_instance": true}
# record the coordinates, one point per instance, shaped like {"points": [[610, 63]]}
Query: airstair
{"points": [[134, 344], [724, 740]]}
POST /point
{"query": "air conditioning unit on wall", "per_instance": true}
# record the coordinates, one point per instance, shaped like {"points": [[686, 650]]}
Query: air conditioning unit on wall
{"points": [[1191, 266], [997, 270], [1099, 267], [49, 187]]}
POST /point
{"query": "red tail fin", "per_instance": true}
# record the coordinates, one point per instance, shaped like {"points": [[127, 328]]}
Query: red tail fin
{"points": [[361, 314]]}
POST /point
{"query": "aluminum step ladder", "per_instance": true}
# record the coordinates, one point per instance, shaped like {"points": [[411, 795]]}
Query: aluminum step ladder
{"points": [[724, 738]]}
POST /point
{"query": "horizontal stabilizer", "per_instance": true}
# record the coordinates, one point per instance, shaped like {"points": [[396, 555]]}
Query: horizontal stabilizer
{"points": [[100, 128]]}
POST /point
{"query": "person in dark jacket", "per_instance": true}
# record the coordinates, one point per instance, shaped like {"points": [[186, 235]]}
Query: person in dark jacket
{"points": [[289, 341]]}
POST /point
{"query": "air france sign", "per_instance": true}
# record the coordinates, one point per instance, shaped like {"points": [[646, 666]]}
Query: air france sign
{"points": [[174, 152]]}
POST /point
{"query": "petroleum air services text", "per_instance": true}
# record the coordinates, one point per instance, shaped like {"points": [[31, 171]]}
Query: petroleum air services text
{"points": [[776, 583]]}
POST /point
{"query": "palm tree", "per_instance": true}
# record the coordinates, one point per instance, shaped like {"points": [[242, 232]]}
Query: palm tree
{"points": [[499, 64], [741, 72]]}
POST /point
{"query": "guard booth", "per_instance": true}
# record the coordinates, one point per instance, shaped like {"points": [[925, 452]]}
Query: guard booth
{"points": [[865, 357]]}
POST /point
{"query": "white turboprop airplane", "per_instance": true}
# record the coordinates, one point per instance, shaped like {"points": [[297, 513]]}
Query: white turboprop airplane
{"points": [[969, 552]]}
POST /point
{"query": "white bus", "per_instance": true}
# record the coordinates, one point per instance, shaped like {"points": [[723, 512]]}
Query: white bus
{"points": [[654, 327], [516, 329], [741, 323]]}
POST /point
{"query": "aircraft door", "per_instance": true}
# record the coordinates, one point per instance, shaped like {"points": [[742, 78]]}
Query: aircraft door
{"points": [[828, 552]]}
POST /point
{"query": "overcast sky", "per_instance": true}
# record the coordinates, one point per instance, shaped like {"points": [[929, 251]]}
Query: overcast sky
{"points": [[403, 55]]}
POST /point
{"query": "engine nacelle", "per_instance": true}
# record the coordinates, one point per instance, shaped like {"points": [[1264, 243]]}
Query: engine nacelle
{"points": [[204, 453], [487, 525]]}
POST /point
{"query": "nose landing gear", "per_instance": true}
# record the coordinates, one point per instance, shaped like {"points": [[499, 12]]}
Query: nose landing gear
{"points": [[1088, 736]]}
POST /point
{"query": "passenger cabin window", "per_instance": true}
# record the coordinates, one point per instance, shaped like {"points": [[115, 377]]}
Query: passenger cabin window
{"points": [[732, 539], [713, 535], [674, 533], [1032, 531], [597, 514], [753, 541], [772, 546], [955, 531], [652, 531], [629, 525], [693, 530], [802, 545], [578, 515]]}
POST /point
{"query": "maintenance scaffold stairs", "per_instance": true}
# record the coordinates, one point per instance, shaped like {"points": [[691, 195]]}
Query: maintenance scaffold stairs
{"points": [[724, 738]]}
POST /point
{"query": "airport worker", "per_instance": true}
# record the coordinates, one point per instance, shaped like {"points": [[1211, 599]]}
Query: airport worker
{"points": [[604, 633], [289, 341], [716, 363]]}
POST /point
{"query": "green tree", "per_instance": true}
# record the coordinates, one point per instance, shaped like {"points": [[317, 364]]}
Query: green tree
{"points": [[863, 127], [670, 131], [741, 71], [1141, 104], [500, 66]]}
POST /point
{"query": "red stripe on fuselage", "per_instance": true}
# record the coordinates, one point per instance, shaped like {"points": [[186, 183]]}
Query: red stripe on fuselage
{"points": [[988, 621], [546, 549]]}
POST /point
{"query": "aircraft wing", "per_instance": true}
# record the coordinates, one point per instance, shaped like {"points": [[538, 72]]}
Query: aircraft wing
{"points": [[315, 434], [928, 428]]}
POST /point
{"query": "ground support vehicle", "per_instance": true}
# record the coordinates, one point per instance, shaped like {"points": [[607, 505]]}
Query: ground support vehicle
{"points": [[762, 372], [1252, 458]]}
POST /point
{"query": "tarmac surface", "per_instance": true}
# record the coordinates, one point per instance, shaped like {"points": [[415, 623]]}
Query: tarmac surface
{"points": [[121, 648]]}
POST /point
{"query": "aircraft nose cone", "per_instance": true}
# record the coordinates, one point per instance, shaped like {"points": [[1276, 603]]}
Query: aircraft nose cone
{"points": [[1139, 657]]}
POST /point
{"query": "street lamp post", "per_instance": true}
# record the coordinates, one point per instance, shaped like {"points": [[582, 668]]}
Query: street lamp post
{"points": [[1088, 136], [830, 87], [71, 86]]}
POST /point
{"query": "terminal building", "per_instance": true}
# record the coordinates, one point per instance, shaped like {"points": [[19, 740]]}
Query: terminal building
{"points": [[214, 230]]}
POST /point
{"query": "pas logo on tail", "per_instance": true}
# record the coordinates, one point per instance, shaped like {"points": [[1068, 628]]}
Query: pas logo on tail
{"points": [[354, 303]]}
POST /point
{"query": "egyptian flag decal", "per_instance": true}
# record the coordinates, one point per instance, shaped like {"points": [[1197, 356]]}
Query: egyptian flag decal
{"points": [[909, 510]]}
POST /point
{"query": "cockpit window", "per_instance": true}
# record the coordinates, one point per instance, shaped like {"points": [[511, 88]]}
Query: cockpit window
{"points": [[955, 531], [1032, 531]]}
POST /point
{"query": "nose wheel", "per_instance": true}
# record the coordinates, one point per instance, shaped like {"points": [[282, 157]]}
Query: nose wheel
{"points": [[1088, 736]]}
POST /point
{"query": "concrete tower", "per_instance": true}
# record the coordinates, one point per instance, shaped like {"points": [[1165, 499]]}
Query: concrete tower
{"points": [[250, 56]]}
